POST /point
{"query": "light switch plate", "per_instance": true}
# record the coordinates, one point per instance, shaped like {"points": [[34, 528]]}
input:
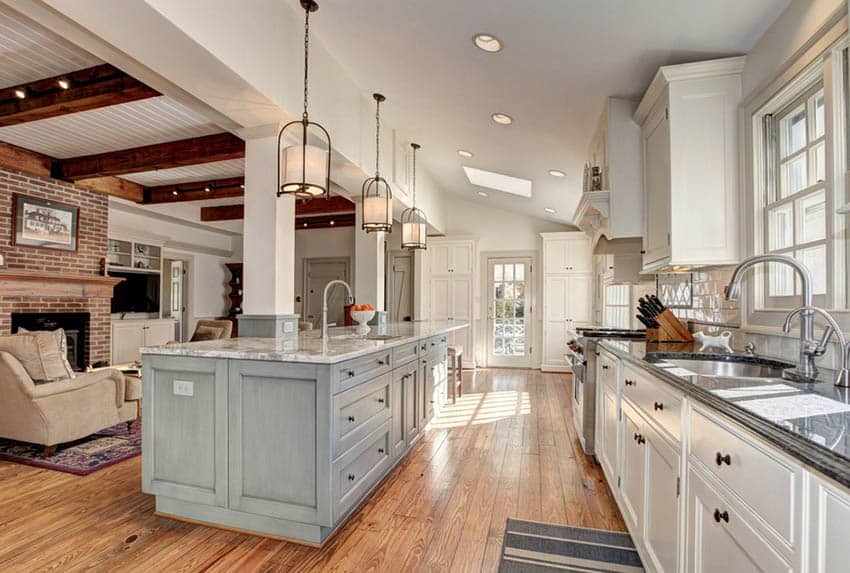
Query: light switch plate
{"points": [[184, 388]]}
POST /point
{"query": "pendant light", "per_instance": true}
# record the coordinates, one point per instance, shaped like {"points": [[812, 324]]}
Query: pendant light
{"points": [[303, 169], [414, 225], [376, 192]]}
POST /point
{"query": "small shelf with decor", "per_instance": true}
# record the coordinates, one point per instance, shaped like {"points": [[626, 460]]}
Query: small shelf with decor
{"points": [[129, 255]]}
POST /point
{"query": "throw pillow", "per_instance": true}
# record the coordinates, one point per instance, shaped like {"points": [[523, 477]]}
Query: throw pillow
{"points": [[38, 353], [62, 341], [207, 333]]}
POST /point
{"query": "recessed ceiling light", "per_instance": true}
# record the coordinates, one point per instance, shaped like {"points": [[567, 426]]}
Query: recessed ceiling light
{"points": [[175, 192], [21, 93], [464, 153], [556, 173], [502, 118], [64, 83], [206, 189], [488, 43], [482, 194], [242, 186], [332, 223], [549, 210], [498, 181]]}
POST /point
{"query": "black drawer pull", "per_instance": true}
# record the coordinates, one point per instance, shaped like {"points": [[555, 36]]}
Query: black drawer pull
{"points": [[721, 459], [351, 477], [351, 373], [351, 418], [658, 406], [718, 516], [380, 400], [380, 362], [604, 367], [380, 450], [640, 439], [630, 382]]}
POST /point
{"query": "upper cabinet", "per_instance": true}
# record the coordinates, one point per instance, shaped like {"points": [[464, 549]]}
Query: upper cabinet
{"points": [[566, 253], [451, 257], [688, 129], [617, 208]]}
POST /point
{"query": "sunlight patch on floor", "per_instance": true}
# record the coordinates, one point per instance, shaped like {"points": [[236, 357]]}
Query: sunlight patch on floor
{"points": [[485, 408]]}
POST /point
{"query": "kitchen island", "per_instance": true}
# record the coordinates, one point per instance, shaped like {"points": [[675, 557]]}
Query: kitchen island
{"points": [[285, 437]]}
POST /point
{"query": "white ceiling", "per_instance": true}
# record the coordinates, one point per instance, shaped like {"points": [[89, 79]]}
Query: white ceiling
{"points": [[200, 172], [560, 60]]}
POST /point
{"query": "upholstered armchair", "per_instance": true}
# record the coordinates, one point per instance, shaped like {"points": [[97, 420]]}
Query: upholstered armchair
{"points": [[57, 412]]}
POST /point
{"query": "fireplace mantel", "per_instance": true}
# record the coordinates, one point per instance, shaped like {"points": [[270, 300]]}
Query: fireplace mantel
{"points": [[19, 282]]}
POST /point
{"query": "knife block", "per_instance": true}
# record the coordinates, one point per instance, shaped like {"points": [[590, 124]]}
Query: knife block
{"points": [[670, 329]]}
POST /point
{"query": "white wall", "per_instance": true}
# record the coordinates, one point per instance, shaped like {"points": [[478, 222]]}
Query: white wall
{"points": [[315, 243]]}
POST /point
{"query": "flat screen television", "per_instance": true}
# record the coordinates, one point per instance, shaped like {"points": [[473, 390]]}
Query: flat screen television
{"points": [[138, 292]]}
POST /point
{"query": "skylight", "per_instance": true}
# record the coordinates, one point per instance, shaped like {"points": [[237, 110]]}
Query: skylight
{"points": [[499, 182]]}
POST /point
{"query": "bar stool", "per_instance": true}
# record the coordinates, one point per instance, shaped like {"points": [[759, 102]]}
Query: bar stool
{"points": [[456, 365]]}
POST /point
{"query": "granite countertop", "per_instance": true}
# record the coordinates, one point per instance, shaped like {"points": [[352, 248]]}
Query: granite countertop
{"points": [[343, 343], [808, 421]]}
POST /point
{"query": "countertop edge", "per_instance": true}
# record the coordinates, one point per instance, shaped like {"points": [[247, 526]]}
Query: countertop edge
{"points": [[807, 452]]}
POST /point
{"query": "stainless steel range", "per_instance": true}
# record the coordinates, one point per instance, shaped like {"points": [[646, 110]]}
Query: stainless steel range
{"points": [[581, 354]]}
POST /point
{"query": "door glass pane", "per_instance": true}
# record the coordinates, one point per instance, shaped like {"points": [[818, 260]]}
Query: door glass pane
{"points": [[794, 131], [812, 221], [819, 162], [794, 176], [781, 280], [815, 259], [820, 123], [497, 273], [781, 231], [520, 308], [509, 272], [519, 273]]}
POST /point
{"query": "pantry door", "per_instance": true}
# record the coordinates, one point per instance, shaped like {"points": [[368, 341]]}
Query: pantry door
{"points": [[509, 320]]}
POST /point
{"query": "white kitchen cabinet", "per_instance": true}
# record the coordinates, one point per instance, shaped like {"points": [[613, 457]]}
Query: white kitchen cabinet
{"points": [[632, 471], [829, 526], [452, 257], [689, 119], [720, 537], [128, 336], [566, 253], [608, 423], [661, 507], [452, 289]]}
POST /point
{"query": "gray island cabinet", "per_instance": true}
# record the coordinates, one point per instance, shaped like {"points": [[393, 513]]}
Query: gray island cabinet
{"points": [[285, 437]]}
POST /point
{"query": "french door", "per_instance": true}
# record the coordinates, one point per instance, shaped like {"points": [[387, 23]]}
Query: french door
{"points": [[509, 321]]}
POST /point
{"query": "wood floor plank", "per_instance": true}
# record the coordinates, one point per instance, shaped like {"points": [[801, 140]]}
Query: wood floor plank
{"points": [[508, 448]]}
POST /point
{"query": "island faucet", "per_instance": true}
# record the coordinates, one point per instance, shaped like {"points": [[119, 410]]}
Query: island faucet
{"points": [[349, 300], [808, 346], [843, 378]]}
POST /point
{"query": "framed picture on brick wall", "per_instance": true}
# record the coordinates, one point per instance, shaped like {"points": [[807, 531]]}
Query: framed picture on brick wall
{"points": [[46, 224]]}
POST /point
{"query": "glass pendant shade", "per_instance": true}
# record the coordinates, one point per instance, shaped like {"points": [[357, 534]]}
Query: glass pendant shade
{"points": [[377, 206], [305, 171]]}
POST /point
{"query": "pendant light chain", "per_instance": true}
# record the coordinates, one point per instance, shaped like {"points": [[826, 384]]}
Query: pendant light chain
{"points": [[414, 177], [306, 58], [377, 138]]}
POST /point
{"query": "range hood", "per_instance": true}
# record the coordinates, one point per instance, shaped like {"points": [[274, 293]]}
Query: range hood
{"points": [[628, 260]]}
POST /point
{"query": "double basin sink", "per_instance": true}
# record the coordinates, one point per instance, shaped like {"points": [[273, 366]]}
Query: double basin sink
{"points": [[725, 366]]}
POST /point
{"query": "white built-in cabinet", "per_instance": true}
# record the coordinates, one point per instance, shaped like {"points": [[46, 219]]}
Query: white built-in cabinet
{"points": [[451, 264], [567, 293], [129, 336], [688, 120]]}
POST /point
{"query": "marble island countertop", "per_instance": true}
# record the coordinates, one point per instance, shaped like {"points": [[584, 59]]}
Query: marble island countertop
{"points": [[808, 421], [343, 343]]}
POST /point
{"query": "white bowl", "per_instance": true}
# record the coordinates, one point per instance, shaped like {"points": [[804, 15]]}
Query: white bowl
{"points": [[362, 316]]}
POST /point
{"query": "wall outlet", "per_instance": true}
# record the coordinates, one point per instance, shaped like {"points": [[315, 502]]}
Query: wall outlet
{"points": [[184, 388]]}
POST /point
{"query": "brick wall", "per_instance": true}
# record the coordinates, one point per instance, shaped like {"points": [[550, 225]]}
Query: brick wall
{"points": [[93, 221]]}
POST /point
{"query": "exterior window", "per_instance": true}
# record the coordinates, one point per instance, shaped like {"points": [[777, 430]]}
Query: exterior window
{"points": [[618, 306], [796, 202]]}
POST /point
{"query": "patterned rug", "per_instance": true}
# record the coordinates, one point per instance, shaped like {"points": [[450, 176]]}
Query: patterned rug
{"points": [[88, 455], [532, 547]]}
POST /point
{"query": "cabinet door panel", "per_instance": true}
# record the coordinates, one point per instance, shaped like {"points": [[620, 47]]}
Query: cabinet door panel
{"points": [[556, 298], [656, 148], [440, 299], [159, 332], [555, 256], [607, 429], [632, 472], [555, 343], [127, 339], [412, 404], [461, 259], [440, 262], [661, 514], [579, 299], [460, 307], [579, 259]]}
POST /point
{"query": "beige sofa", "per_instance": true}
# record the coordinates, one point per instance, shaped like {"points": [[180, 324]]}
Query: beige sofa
{"points": [[63, 411]]}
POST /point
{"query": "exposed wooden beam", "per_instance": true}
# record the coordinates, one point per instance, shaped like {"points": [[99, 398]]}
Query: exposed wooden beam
{"points": [[324, 221], [87, 89], [19, 159], [196, 191], [218, 147], [335, 204], [115, 187], [223, 213]]}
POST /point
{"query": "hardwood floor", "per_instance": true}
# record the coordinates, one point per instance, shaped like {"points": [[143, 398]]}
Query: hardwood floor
{"points": [[508, 448]]}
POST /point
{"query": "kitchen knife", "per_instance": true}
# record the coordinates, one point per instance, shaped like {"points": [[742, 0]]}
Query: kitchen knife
{"points": [[647, 309], [656, 302], [645, 321]]}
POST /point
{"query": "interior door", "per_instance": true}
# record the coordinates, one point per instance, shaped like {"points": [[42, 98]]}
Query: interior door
{"points": [[317, 274], [177, 306], [508, 317], [399, 288]]}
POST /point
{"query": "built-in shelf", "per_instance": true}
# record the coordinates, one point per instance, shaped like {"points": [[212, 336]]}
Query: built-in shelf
{"points": [[592, 210]]}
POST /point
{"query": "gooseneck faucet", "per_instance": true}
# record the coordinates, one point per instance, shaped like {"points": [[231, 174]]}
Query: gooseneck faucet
{"points": [[349, 300], [806, 365], [843, 378]]}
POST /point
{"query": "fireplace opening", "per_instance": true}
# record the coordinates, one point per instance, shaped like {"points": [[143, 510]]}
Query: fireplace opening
{"points": [[75, 325]]}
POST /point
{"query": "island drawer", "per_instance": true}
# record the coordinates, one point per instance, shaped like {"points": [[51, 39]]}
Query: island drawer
{"points": [[769, 485], [654, 400], [357, 411], [404, 354], [358, 370], [360, 468], [436, 342]]}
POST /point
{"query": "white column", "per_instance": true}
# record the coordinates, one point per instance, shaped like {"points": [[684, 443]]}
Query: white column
{"points": [[269, 243], [369, 263]]}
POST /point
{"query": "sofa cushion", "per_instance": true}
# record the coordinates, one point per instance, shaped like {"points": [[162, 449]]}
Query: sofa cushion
{"points": [[38, 353], [207, 333], [62, 341]]}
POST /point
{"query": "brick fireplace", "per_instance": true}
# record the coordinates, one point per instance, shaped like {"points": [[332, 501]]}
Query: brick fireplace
{"points": [[40, 281]]}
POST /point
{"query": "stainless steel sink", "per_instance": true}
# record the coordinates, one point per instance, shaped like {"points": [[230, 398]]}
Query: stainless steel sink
{"points": [[729, 368]]}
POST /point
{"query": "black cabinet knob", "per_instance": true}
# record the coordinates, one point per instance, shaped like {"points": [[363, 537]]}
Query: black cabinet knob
{"points": [[630, 382], [721, 516], [380, 400], [381, 362], [721, 459], [350, 477], [640, 439], [380, 450], [351, 373], [351, 418], [604, 367], [635, 438], [658, 406]]}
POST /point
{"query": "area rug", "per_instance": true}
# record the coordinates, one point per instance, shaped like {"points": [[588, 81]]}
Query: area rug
{"points": [[532, 547], [82, 457]]}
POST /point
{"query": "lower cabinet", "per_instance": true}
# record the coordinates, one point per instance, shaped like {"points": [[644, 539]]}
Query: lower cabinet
{"points": [[607, 434], [129, 336], [632, 471], [405, 423], [661, 515], [829, 538], [719, 536]]}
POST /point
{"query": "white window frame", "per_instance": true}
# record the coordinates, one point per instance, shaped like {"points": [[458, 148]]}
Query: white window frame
{"points": [[824, 61], [627, 305]]}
